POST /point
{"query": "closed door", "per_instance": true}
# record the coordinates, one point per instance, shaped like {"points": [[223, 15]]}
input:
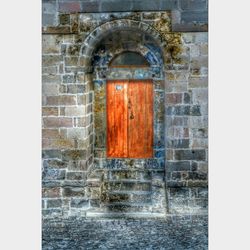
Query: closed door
{"points": [[130, 119]]}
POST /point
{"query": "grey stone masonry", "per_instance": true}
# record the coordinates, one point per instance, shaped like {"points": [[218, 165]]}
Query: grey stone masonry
{"points": [[187, 15], [78, 179]]}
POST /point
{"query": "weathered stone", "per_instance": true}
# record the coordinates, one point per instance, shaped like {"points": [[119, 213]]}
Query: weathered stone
{"points": [[76, 133], [174, 98], [50, 70], [51, 60], [195, 154], [64, 19], [73, 155], [53, 174], [46, 154], [178, 166], [54, 203], [184, 110], [55, 122], [51, 192], [71, 61], [73, 191], [56, 30], [75, 111], [51, 78], [198, 122], [50, 89], [75, 175], [56, 163], [68, 7], [51, 44], [61, 100], [68, 79], [181, 143], [49, 111], [79, 203]]}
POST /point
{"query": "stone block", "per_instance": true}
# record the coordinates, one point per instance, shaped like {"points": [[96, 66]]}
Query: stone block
{"points": [[48, 154], [90, 6], [51, 60], [204, 49], [75, 175], [76, 133], [79, 203], [53, 174], [49, 19], [54, 203], [198, 122], [194, 16], [76, 89], [51, 133], [55, 122], [50, 89], [174, 98], [51, 192], [55, 163], [202, 167], [73, 191], [196, 154], [51, 78], [50, 111], [64, 19], [81, 122], [194, 5], [71, 61], [73, 155], [199, 143], [187, 98], [198, 82], [58, 143], [69, 79], [69, 7], [200, 96], [78, 165], [54, 212], [179, 192], [49, 7], [50, 70], [61, 100], [201, 37], [51, 44], [193, 110], [179, 143], [75, 111], [178, 166]]}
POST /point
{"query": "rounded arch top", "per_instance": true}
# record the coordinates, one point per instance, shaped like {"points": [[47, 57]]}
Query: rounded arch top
{"points": [[99, 33]]}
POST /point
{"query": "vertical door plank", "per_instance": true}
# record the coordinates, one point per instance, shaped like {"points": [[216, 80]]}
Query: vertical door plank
{"points": [[140, 127], [117, 119]]}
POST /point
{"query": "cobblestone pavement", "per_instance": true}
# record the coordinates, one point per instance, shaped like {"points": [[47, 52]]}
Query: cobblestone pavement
{"points": [[171, 233]]}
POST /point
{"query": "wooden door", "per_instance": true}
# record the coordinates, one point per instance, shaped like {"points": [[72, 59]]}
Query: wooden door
{"points": [[130, 119]]}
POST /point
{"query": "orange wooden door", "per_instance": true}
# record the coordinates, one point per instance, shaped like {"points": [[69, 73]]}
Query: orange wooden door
{"points": [[130, 119]]}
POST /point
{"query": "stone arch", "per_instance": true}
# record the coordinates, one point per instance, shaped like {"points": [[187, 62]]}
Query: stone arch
{"points": [[101, 31]]}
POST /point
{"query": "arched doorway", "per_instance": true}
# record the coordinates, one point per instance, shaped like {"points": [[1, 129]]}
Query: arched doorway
{"points": [[129, 143]]}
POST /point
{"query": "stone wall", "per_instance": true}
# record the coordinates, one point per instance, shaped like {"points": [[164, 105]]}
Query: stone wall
{"points": [[187, 15], [70, 187]]}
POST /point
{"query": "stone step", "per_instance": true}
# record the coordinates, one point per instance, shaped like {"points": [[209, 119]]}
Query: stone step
{"points": [[129, 174], [127, 207], [127, 185], [124, 215], [128, 197]]}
